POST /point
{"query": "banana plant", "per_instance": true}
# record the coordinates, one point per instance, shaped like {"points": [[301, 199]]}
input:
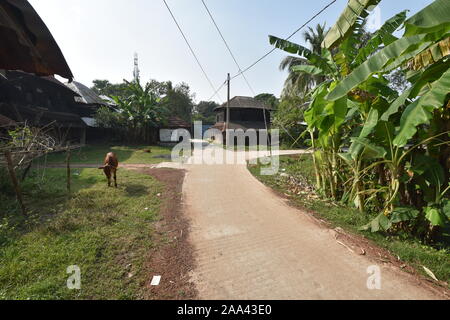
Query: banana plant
{"points": [[368, 138]]}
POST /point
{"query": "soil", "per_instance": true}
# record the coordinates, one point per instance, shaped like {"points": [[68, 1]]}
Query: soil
{"points": [[172, 257]]}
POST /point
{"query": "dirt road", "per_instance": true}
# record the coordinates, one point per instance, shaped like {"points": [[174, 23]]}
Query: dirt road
{"points": [[250, 244]]}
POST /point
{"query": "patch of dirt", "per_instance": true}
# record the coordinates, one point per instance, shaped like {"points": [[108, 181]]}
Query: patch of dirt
{"points": [[360, 245], [172, 258]]}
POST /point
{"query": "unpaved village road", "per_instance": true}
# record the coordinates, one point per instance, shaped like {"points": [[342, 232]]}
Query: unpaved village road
{"points": [[250, 244]]}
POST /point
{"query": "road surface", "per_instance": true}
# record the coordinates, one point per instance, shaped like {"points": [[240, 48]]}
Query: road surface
{"points": [[250, 244]]}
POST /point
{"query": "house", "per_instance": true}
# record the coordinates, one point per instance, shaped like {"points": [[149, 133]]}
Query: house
{"points": [[173, 123], [87, 103], [27, 44], [87, 100], [245, 113], [42, 102], [29, 60]]}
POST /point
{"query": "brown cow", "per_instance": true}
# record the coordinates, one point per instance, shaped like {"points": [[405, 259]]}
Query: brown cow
{"points": [[110, 167]]}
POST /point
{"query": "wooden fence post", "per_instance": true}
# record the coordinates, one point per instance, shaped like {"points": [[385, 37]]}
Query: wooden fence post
{"points": [[68, 169], [14, 181]]}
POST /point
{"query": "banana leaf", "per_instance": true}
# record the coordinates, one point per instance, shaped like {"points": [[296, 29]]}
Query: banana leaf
{"points": [[355, 9], [394, 55], [380, 223], [429, 19], [431, 74], [382, 36], [356, 147], [376, 63], [314, 115], [431, 55], [435, 216], [400, 101], [421, 110], [402, 214], [369, 150]]}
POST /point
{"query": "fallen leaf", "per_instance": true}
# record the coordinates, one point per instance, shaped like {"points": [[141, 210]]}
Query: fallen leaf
{"points": [[430, 273]]}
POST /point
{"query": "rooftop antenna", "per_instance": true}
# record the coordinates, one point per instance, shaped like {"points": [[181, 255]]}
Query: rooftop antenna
{"points": [[136, 71]]}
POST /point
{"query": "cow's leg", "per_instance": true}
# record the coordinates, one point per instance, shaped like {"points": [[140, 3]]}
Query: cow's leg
{"points": [[115, 178], [108, 176]]}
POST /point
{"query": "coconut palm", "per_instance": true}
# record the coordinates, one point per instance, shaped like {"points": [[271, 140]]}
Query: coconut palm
{"points": [[297, 84]]}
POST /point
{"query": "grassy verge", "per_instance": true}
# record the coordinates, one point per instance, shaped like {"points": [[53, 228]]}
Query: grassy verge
{"points": [[408, 249], [93, 154], [107, 232]]}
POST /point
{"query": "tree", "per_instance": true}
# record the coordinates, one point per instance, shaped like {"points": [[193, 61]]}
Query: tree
{"points": [[299, 83], [287, 117], [268, 99], [104, 87], [139, 112], [397, 80], [204, 111], [178, 100], [383, 151]]}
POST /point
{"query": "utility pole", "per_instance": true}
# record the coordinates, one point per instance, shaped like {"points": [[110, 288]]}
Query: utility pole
{"points": [[228, 109]]}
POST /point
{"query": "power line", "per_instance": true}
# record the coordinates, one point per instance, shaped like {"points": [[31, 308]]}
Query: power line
{"points": [[192, 50], [216, 92], [228, 47], [295, 32]]}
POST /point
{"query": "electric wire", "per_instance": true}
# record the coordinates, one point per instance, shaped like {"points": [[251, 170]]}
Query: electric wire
{"points": [[192, 50]]}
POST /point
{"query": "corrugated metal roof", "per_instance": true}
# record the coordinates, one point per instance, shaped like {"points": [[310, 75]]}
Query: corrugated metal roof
{"points": [[245, 103], [87, 96], [27, 44]]}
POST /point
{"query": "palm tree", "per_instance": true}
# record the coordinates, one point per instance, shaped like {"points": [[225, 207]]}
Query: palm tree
{"points": [[297, 84]]}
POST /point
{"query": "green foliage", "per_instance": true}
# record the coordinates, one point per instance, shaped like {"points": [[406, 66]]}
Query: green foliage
{"points": [[300, 80], [268, 99], [104, 87], [379, 146], [204, 111], [382, 37], [421, 111], [287, 116], [344, 26], [178, 101], [109, 235]]}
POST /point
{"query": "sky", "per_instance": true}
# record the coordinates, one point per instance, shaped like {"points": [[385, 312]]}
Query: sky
{"points": [[99, 38]]}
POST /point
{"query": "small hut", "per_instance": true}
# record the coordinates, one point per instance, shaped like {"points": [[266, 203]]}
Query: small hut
{"points": [[173, 123], [245, 113]]}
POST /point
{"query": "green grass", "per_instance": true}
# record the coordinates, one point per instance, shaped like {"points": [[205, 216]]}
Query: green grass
{"points": [[94, 154], [107, 232], [407, 248]]}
